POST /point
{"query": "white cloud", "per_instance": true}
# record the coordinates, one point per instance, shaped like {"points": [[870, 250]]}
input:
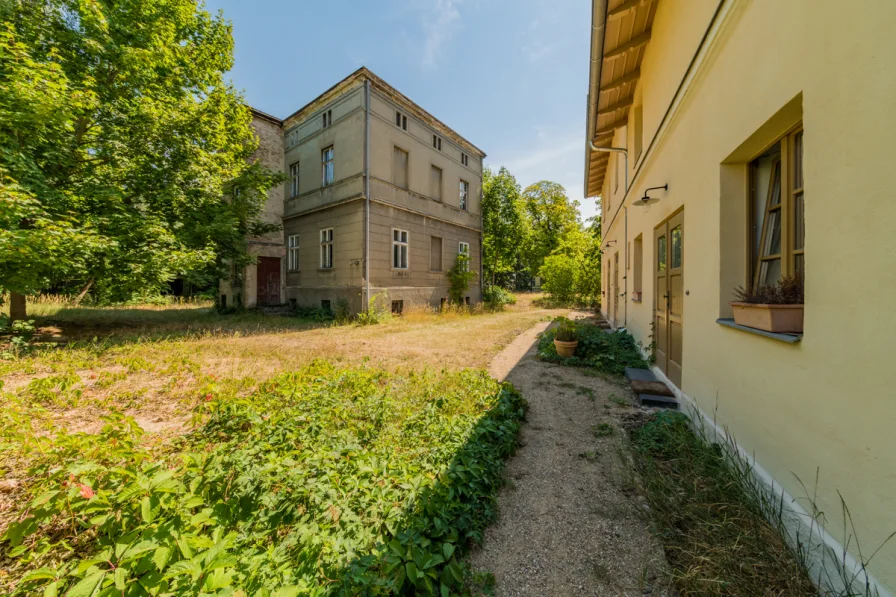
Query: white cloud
{"points": [[558, 157], [440, 25]]}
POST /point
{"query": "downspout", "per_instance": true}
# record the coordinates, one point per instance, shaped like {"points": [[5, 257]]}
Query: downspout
{"points": [[624, 153], [366, 196]]}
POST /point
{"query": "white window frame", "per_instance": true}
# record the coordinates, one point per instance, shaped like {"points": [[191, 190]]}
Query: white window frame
{"points": [[465, 159], [327, 166], [437, 142], [292, 253], [328, 118], [326, 248], [401, 252], [463, 200], [464, 248], [401, 120], [294, 180]]}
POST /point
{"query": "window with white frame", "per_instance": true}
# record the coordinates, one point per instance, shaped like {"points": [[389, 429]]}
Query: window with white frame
{"points": [[464, 249], [464, 194], [294, 180], [401, 121], [399, 249], [326, 248], [328, 118], [465, 159], [326, 166], [292, 253], [437, 142]]}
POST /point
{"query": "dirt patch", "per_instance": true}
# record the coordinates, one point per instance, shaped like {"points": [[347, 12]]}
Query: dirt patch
{"points": [[570, 522]]}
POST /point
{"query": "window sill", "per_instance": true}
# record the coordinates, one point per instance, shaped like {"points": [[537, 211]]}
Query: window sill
{"points": [[788, 338], [325, 269]]}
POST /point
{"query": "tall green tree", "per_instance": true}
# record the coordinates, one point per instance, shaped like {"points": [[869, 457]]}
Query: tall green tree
{"points": [[504, 223], [551, 215], [121, 145]]}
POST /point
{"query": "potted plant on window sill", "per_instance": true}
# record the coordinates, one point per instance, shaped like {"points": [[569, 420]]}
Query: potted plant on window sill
{"points": [[774, 308], [566, 339]]}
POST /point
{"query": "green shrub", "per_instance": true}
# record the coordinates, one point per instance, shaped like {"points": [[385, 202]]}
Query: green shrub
{"points": [[496, 298], [324, 482], [459, 278], [375, 313], [597, 349], [559, 274]]}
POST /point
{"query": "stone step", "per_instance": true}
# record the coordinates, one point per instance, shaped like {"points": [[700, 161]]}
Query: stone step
{"points": [[632, 373], [654, 401], [656, 388]]}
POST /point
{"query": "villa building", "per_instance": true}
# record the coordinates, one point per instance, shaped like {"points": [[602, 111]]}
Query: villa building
{"points": [[379, 200], [734, 142]]}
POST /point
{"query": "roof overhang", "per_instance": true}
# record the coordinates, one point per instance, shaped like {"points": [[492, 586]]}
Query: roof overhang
{"points": [[620, 33]]}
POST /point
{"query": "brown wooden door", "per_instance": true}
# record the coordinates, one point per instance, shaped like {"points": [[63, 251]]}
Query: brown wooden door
{"points": [[616, 289], [669, 306], [268, 281]]}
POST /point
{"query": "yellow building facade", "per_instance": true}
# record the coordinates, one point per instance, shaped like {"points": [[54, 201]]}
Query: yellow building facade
{"points": [[761, 133]]}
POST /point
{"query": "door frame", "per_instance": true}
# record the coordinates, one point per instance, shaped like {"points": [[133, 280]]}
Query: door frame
{"points": [[663, 354]]}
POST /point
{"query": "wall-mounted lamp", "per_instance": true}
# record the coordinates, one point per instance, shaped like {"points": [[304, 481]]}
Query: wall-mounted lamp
{"points": [[608, 243], [647, 199]]}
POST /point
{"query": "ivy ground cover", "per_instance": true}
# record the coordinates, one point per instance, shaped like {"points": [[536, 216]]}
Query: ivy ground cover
{"points": [[327, 481]]}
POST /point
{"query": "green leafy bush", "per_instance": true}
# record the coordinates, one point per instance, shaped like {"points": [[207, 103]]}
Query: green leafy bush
{"points": [[559, 274], [324, 482], [597, 349], [496, 298], [459, 278]]}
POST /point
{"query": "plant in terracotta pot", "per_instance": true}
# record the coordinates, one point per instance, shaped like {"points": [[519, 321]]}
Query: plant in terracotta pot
{"points": [[566, 339], [772, 308]]}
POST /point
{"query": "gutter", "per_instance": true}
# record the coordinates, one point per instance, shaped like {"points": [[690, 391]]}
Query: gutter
{"points": [[598, 31], [366, 196]]}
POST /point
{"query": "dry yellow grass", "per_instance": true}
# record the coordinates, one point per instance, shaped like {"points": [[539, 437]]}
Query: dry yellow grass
{"points": [[157, 370]]}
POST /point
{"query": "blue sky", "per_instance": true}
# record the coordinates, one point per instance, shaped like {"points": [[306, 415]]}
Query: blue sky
{"points": [[509, 75]]}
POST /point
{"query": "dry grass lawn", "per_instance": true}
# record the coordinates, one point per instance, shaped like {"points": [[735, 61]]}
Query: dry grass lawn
{"points": [[157, 365]]}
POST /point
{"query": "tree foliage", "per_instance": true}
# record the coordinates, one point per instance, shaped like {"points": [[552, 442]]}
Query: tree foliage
{"points": [[504, 223], [120, 144], [551, 215]]}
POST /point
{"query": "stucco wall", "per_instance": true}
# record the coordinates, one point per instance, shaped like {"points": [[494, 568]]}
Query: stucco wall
{"points": [[825, 403]]}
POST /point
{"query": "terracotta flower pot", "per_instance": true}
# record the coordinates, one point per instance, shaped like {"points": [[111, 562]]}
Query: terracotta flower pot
{"points": [[780, 319], [566, 349]]}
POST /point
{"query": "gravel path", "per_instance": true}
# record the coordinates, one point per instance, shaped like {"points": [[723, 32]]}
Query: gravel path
{"points": [[570, 522]]}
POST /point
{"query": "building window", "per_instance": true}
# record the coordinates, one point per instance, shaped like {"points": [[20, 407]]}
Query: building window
{"points": [[292, 253], [328, 118], [464, 193], [397, 307], [400, 167], [399, 249], [778, 211], [437, 142], [464, 159], [401, 121], [435, 183], [326, 248], [464, 249], [326, 166], [435, 254], [325, 305], [294, 180]]}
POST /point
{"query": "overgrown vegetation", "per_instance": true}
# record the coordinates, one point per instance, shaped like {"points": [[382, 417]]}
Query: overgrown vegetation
{"points": [[598, 350], [496, 298], [325, 481], [459, 278], [722, 531]]}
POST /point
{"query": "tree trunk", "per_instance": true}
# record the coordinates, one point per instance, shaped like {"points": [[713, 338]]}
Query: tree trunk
{"points": [[83, 292], [16, 306]]}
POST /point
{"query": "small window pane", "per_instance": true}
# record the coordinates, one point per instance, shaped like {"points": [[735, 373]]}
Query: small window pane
{"points": [[661, 253], [799, 222], [676, 247], [798, 161], [769, 272], [798, 265], [772, 243]]}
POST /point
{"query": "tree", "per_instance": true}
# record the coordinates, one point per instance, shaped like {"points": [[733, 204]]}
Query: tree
{"points": [[572, 271], [121, 145], [551, 215], [504, 228]]}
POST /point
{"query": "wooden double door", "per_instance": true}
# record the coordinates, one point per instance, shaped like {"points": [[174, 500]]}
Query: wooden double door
{"points": [[268, 281], [668, 270]]}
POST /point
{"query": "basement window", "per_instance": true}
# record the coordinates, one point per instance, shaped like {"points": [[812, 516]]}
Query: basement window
{"points": [[397, 307]]}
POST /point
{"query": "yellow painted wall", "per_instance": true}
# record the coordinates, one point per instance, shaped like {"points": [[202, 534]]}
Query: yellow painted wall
{"points": [[826, 403]]}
